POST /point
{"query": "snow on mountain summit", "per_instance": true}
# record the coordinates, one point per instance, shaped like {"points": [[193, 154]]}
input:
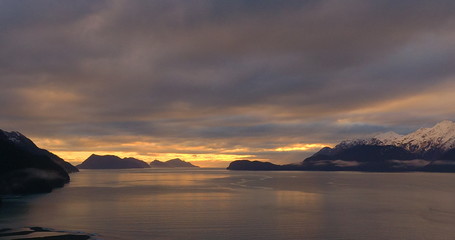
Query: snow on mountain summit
{"points": [[389, 138], [13, 136], [440, 137]]}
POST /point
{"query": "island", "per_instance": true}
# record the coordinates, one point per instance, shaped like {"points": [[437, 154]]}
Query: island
{"points": [[111, 162]]}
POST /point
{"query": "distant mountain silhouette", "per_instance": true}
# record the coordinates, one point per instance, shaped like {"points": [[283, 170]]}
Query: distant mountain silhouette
{"points": [[26, 144], [362, 158], [173, 163], [111, 162], [159, 164], [25, 168], [427, 149], [260, 166]]}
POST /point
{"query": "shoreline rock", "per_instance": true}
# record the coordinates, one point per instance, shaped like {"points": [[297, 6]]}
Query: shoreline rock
{"points": [[32, 233]]}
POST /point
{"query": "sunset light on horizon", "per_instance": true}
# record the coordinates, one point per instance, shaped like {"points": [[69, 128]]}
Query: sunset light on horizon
{"points": [[217, 80], [227, 119]]}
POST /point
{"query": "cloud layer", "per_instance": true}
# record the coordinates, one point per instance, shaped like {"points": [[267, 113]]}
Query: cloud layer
{"points": [[215, 76]]}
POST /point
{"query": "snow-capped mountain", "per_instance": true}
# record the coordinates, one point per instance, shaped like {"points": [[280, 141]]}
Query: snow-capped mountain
{"points": [[427, 149], [24, 143], [27, 169], [13, 136], [439, 138]]}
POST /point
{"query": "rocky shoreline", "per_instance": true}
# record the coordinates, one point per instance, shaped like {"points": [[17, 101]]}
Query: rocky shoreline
{"points": [[35, 233]]}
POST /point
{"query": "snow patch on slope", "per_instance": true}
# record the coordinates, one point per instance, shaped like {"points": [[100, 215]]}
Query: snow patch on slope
{"points": [[388, 138], [440, 137], [13, 136]]}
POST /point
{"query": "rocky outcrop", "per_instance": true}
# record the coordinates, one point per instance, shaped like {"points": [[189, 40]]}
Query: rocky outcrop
{"points": [[43, 233]]}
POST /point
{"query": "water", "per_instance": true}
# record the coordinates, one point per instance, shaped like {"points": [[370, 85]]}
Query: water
{"points": [[220, 204]]}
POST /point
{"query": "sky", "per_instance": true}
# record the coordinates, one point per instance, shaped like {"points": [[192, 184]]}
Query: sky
{"points": [[212, 81]]}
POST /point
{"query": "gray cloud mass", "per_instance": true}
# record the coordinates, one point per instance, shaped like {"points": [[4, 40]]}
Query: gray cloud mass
{"points": [[240, 73]]}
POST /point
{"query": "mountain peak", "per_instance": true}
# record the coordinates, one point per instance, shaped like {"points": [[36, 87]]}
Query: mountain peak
{"points": [[437, 139], [175, 160], [388, 136], [426, 149], [446, 124], [173, 163], [14, 136]]}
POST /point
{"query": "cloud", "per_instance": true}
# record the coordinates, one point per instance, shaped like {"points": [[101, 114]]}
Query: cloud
{"points": [[238, 74]]}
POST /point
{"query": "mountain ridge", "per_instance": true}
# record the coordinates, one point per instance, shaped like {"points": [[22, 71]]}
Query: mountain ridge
{"points": [[426, 149], [173, 163], [111, 162], [428, 143], [26, 144], [26, 169]]}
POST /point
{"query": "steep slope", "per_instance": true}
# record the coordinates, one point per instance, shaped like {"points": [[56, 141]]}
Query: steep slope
{"points": [[427, 143], [431, 142], [23, 171], [362, 158], [111, 162], [26, 144], [427, 149]]}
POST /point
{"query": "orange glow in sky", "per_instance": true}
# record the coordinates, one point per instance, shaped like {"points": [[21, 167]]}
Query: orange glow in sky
{"points": [[202, 160], [301, 147], [203, 156]]}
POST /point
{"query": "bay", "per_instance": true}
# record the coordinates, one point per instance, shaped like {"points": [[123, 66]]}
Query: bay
{"points": [[222, 204]]}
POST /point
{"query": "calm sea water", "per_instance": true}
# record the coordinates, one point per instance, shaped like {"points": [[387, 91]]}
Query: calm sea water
{"points": [[220, 204]]}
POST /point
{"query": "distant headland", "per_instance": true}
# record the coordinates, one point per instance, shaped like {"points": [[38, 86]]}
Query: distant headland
{"points": [[26, 168]]}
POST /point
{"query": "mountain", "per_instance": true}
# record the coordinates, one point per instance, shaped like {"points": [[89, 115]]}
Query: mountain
{"points": [[111, 162], [159, 164], [363, 158], [427, 143], [26, 144], [427, 149], [173, 163], [25, 168], [260, 166]]}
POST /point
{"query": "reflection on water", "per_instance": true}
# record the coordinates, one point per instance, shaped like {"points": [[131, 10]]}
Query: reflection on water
{"points": [[219, 204]]}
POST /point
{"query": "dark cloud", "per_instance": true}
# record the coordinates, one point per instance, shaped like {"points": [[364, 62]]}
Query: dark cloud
{"points": [[240, 73]]}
